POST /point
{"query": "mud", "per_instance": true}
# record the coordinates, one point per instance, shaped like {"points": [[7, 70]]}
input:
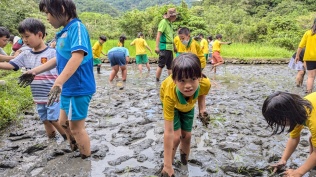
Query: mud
{"points": [[125, 125]]}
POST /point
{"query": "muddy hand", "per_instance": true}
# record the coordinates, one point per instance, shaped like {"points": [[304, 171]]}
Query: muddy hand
{"points": [[277, 166], [165, 174], [53, 95], [25, 79], [205, 119]]}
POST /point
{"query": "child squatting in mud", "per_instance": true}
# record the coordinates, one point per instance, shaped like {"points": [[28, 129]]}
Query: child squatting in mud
{"points": [[75, 83], [33, 33], [179, 93], [282, 110]]}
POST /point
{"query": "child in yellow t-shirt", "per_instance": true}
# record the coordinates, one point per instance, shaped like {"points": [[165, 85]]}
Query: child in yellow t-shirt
{"points": [[97, 51], [282, 110], [216, 57], [191, 45], [179, 93]]}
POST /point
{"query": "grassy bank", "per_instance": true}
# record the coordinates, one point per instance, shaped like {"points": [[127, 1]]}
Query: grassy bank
{"points": [[252, 51], [13, 99], [236, 50]]}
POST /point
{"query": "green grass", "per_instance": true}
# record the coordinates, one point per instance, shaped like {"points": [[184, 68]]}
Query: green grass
{"points": [[234, 51], [254, 51], [13, 99]]}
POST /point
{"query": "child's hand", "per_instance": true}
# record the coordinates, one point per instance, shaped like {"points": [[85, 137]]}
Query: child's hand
{"points": [[278, 166], [26, 79], [291, 173], [205, 118], [167, 171], [53, 95]]}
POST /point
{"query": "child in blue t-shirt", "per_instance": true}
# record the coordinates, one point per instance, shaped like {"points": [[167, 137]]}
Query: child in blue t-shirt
{"points": [[75, 84]]}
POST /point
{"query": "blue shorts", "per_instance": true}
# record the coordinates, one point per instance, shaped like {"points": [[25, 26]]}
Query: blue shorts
{"points": [[76, 107], [117, 58], [49, 113]]}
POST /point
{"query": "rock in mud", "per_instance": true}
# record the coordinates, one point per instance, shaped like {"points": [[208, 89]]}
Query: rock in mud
{"points": [[8, 164], [34, 148]]}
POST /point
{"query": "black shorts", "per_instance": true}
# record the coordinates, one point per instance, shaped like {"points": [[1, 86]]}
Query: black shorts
{"points": [[310, 65], [165, 58]]}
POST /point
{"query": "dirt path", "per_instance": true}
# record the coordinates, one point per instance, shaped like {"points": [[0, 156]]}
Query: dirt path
{"points": [[125, 125]]}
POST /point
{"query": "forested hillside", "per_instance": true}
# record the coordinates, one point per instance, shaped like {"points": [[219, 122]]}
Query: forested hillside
{"points": [[278, 22], [114, 7]]}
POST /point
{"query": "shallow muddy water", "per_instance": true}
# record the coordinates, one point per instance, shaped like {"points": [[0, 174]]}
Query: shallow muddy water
{"points": [[125, 125]]}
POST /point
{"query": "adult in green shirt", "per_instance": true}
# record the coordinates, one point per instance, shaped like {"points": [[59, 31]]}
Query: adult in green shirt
{"points": [[164, 42]]}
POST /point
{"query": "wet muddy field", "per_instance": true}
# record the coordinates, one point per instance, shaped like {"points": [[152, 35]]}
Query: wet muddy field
{"points": [[125, 125]]}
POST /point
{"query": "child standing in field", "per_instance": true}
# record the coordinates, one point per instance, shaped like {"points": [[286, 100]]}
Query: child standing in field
{"points": [[178, 46], [210, 47], [75, 84], [33, 32], [141, 56], [309, 43], [216, 57], [191, 45], [179, 93], [204, 46], [121, 42], [282, 110], [299, 66], [118, 57], [97, 51], [4, 39]]}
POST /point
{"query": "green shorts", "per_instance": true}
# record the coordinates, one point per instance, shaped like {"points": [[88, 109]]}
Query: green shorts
{"points": [[206, 57], [96, 61], [183, 120], [141, 59]]}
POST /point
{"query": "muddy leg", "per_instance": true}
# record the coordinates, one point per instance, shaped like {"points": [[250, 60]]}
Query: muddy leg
{"points": [[124, 72], [63, 120], [79, 132], [58, 127], [299, 78], [50, 130], [114, 72], [185, 142], [148, 66], [176, 142], [140, 68], [310, 80]]}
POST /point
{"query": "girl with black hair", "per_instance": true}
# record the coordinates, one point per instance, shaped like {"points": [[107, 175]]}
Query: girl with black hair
{"points": [[178, 93], [282, 110]]}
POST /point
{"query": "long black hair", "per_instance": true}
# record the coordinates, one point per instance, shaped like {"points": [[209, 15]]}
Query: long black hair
{"points": [[281, 109], [186, 65], [59, 8]]}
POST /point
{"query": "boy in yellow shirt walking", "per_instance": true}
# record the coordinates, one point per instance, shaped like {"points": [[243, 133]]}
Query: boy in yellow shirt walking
{"points": [[141, 56], [97, 51]]}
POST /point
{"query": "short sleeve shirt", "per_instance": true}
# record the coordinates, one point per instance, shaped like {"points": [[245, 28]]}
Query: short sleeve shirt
{"points": [[120, 49], [74, 37], [309, 42], [310, 122], [217, 46], [172, 98], [195, 48], [43, 82], [180, 47], [97, 49], [204, 46], [166, 38], [140, 45]]}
